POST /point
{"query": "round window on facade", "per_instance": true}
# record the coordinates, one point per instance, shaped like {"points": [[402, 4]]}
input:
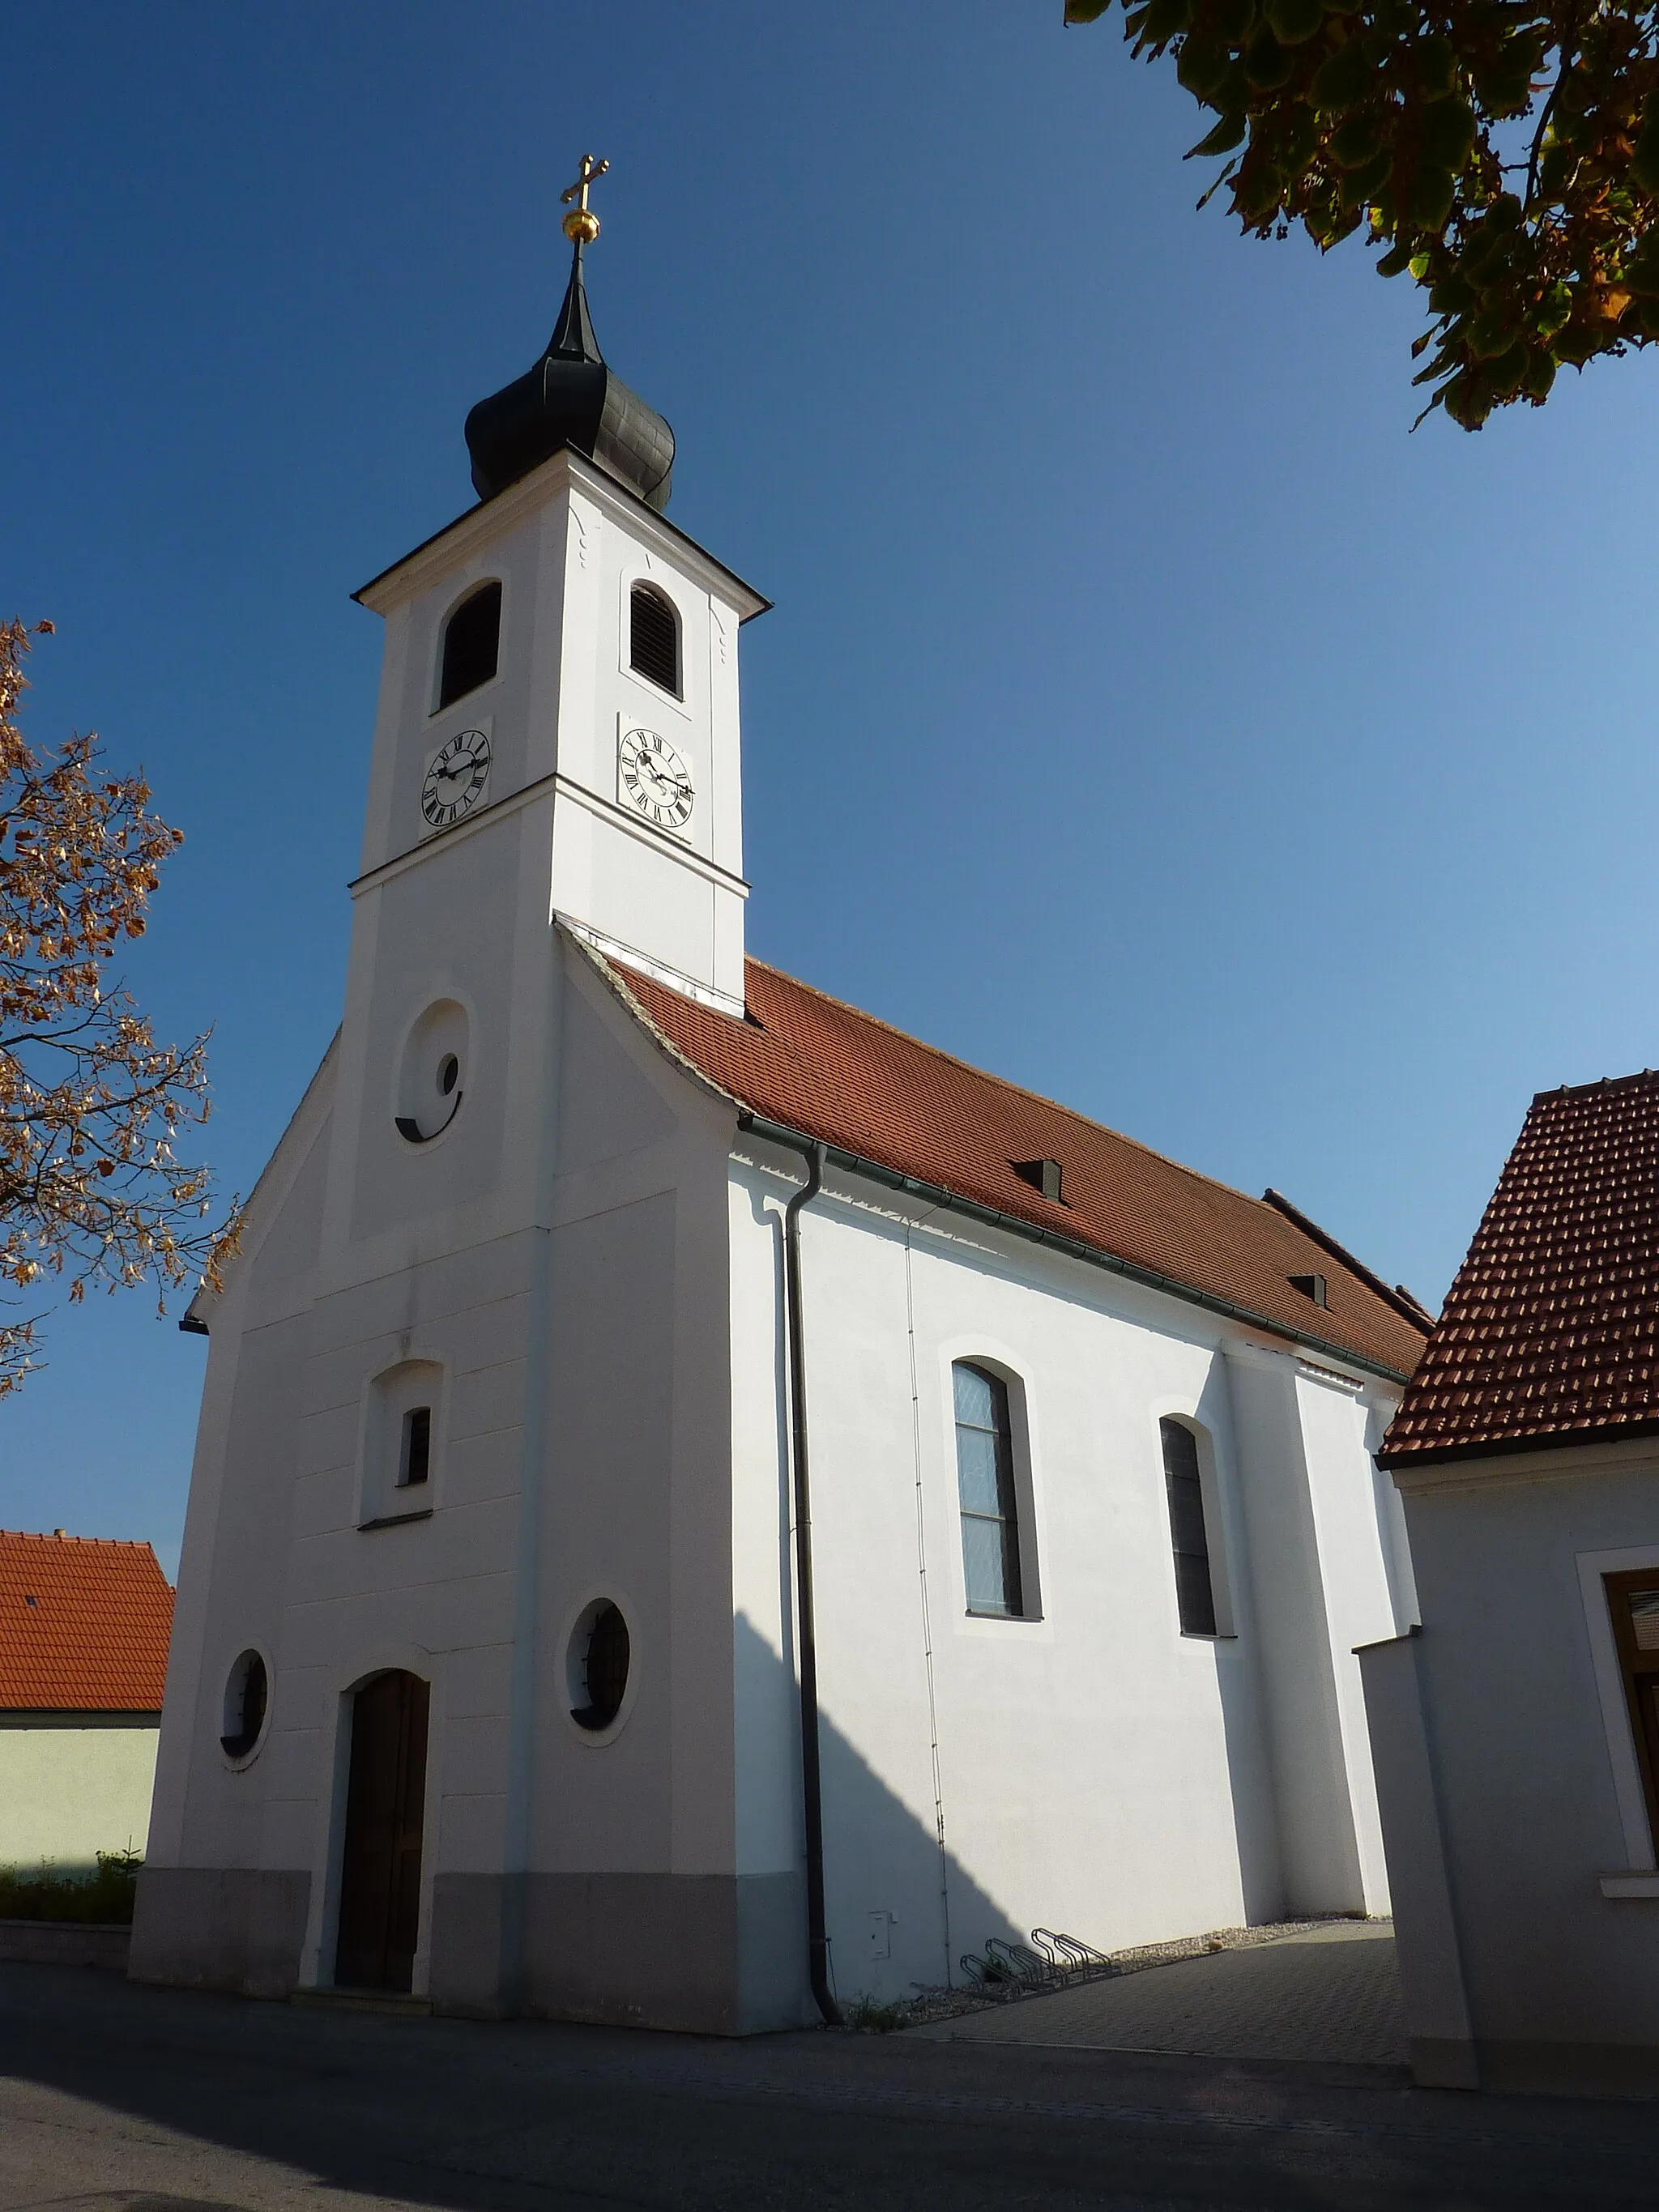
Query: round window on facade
{"points": [[246, 1694], [433, 1072], [597, 1666]]}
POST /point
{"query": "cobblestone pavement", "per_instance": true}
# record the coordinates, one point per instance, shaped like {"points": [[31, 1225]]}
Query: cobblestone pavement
{"points": [[119, 2099], [1330, 1994]]}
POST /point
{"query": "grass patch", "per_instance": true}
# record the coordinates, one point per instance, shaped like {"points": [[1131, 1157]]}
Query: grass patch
{"points": [[105, 1895], [871, 2017]]}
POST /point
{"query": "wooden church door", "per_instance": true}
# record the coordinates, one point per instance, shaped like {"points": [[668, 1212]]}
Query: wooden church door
{"points": [[381, 1873]]}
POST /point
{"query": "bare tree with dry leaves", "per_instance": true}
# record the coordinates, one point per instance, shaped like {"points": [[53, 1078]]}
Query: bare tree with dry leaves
{"points": [[90, 1105]]}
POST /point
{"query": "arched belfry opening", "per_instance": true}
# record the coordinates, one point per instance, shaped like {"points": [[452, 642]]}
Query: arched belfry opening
{"points": [[472, 644]]}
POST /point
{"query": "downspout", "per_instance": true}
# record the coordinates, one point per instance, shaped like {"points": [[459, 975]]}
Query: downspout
{"points": [[811, 1784]]}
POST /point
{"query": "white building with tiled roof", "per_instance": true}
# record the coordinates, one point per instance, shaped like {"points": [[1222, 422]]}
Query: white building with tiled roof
{"points": [[1516, 1727], [84, 1623], [705, 1508]]}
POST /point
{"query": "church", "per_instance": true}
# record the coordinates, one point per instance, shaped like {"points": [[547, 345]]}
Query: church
{"points": [[705, 1508]]}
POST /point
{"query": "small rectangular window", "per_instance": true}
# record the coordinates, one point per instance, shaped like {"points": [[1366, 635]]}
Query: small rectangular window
{"points": [[1634, 1600], [1188, 1539], [416, 1460], [985, 1485]]}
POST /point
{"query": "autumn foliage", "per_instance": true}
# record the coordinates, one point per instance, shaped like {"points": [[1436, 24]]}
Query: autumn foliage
{"points": [[90, 1191], [1503, 152]]}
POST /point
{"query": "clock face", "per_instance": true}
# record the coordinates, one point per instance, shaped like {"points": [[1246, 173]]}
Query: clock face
{"points": [[654, 780], [456, 778]]}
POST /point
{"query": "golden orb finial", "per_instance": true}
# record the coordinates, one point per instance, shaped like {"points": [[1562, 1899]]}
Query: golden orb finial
{"points": [[582, 225]]}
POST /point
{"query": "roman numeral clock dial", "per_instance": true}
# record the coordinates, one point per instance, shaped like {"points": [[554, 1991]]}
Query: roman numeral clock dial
{"points": [[456, 778], [652, 779]]}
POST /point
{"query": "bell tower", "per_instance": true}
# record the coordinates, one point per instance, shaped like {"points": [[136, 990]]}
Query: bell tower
{"points": [[463, 1481], [563, 648]]}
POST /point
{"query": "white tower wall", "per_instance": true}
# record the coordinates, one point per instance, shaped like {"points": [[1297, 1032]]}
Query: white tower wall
{"points": [[552, 1261]]}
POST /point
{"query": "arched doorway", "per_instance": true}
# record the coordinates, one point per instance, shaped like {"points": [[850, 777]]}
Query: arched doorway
{"points": [[380, 1868]]}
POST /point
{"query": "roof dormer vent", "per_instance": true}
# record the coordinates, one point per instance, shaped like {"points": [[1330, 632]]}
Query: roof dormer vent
{"points": [[1312, 1287], [1042, 1175]]}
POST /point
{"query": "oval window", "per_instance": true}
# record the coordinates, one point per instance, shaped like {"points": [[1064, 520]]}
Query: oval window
{"points": [[599, 1660], [247, 1695]]}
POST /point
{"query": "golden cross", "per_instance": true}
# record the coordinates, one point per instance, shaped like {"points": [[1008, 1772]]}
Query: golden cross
{"points": [[581, 224]]}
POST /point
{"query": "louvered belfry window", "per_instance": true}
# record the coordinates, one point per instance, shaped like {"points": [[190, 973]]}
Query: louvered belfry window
{"points": [[985, 1486], [654, 637], [1189, 1540]]}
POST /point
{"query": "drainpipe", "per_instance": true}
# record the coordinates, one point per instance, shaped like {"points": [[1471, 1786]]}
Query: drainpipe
{"points": [[811, 1787]]}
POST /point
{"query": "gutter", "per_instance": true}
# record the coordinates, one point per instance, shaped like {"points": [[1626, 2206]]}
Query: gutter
{"points": [[811, 1780], [934, 1194], [1407, 1456]]}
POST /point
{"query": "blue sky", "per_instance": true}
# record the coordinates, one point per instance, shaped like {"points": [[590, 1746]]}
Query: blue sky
{"points": [[1144, 714]]}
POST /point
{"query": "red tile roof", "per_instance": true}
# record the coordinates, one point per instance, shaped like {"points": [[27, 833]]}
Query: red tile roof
{"points": [[1550, 1334], [826, 1071], [84, 1623]]}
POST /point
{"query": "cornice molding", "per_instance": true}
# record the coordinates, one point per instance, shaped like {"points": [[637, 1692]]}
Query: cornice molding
{"points": [[565, 472], [559, 785]]}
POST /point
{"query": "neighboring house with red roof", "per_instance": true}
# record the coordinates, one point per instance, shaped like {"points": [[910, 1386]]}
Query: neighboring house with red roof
{"points": [[703, 1501], [84, 1623], [1517, 1731]]}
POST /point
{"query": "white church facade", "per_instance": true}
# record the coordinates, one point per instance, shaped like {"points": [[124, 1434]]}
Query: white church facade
{"points": [[705, 1507]]}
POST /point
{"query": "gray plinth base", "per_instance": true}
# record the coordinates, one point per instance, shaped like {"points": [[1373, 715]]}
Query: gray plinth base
{"points": [[1440, 2062], [1570, 2069], [708, 1953], [219, 1928]]}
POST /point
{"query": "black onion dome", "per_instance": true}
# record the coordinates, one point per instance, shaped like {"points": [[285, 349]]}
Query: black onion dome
{"points": [[571, 398]]}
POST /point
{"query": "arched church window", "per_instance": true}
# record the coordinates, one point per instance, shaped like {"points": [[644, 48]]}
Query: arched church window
{"points": [[472, 639], [654, 636], [984, 1487], [1189, 1541]]}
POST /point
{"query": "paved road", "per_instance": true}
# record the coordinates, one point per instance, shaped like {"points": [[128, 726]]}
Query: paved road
{"points": [[129, 2099], [1331, 1993]]}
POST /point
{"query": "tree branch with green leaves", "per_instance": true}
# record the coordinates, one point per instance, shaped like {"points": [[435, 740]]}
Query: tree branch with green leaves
{"points": [[1504, 153]]}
